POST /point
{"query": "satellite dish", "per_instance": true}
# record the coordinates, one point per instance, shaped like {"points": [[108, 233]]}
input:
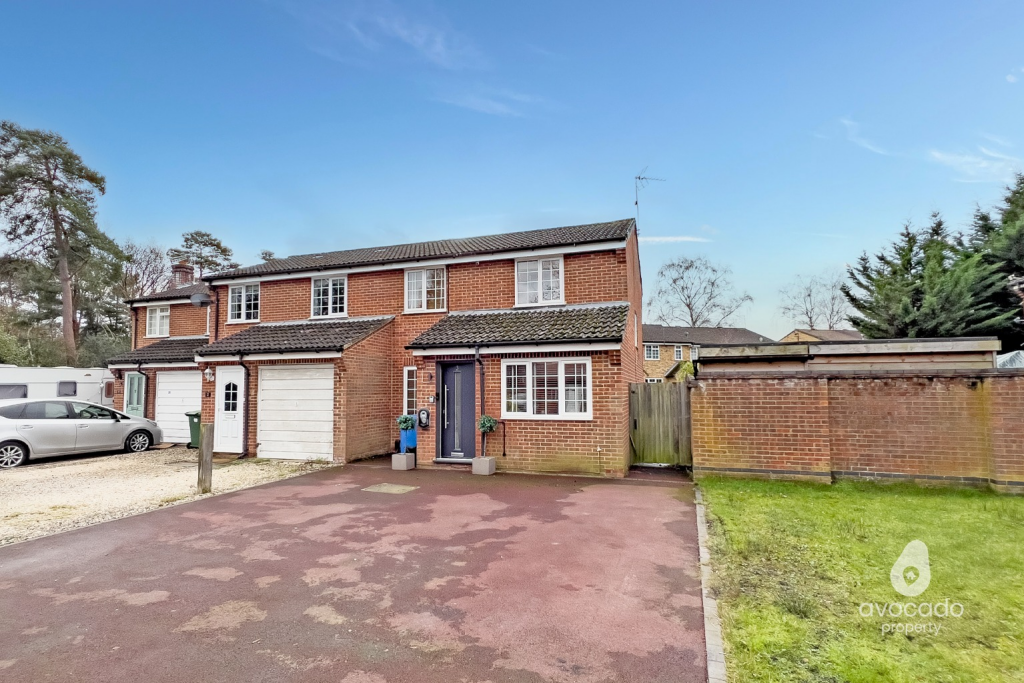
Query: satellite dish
{"points": [[201, 300]]}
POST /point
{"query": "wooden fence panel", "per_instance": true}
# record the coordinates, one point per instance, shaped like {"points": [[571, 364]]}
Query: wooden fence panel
{"points": [[659, 421]]}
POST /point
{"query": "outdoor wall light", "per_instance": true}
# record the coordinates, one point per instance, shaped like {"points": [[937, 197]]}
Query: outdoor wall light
{"points": [[208, 374]]}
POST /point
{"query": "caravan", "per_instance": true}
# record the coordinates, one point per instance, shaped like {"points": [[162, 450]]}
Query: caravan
{"points": [[88, 384]]}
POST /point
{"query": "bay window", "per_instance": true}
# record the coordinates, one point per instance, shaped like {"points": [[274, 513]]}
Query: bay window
{"points": [[546, 388], [244, 303], [158, 321], [329, 296], [425, 290], [539, 282]]}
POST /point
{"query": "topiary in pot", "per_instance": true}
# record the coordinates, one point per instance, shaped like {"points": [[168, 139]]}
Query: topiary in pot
{"points": [[406, 422], [486, 424]]}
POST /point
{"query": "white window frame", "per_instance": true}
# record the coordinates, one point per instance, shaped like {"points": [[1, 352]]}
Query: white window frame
{"points": [[654, 380], [647, 352], [540, 272], [162, 314], [406, 394], [679, 351], [421, 305], [562, 415], [330, 296], [242, 319]]}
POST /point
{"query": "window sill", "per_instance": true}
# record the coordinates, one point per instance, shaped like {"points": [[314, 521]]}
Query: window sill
{"points": [[541, 305], [241, 322], [423, 310], [156, 336], [548, 418], [333, 316]]}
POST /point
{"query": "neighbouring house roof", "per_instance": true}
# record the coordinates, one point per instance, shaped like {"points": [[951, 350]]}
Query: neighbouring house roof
{"points": [[667, 334], [298, 336], [582, 323], [830, 335], [1013, 359], [469, 246], [170, 350], [173, 293]]}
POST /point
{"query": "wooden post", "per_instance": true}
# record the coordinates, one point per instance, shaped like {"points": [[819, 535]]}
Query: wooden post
{"points": [[205, 484]]}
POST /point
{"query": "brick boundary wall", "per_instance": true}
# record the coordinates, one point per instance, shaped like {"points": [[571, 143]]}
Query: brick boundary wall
{"points": [[957, 428]]}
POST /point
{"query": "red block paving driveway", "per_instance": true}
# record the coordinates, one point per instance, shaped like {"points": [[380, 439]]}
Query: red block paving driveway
{"points": [[465, 579]]}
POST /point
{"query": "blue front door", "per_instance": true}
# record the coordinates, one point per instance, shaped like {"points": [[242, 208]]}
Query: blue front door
{"points": [[458, 411]]}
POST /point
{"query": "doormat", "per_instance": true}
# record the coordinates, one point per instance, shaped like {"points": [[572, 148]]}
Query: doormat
{"points": [[390, 488]]}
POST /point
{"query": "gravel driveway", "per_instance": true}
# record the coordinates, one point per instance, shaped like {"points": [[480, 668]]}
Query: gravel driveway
{"points": [[41, 499]]}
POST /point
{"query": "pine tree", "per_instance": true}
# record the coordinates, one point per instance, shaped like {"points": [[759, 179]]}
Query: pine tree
{"points": [[48, 198], [203, 251]]}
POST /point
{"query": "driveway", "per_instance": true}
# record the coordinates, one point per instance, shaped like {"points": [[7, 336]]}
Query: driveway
{"points": [[464, 579]]}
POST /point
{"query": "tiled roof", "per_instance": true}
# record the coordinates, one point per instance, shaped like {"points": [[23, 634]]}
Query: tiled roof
{"points": [[170, 350], [326, 335], [831, 335], [605, 322], [665, 334], [174, 293], [469, 246]]}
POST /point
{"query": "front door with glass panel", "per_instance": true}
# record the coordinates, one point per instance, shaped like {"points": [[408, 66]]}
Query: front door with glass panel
{"points": [[135, 394], [228, 432], [458, 411]]}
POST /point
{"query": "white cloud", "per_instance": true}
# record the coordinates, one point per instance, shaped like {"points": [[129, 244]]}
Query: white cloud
{"points": [[660, 239], [854, 136], [987, 166], [996, 139], [495, 101], [1011, 78]]}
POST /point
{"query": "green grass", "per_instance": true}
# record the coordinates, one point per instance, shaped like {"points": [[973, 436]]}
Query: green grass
{"points": [[793, 562]]}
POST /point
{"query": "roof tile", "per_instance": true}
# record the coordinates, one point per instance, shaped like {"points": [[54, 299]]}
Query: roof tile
{"points": [[306, 335]]}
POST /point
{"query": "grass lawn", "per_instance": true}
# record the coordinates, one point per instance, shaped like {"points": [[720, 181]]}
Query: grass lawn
{"points": [[794, 562]]}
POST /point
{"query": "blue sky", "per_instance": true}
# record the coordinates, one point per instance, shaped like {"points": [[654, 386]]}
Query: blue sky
{"points": [[791, 136]]}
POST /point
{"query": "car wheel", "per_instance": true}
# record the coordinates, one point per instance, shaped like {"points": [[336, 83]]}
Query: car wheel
{"points": [[12, 454], [138, 442]]}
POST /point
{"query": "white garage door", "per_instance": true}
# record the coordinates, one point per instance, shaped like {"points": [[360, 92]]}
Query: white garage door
{"points": [[296, 412], [177, 393]]}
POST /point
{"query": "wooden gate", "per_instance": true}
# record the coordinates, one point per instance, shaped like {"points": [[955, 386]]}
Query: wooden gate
{"points": [[659, 422]]}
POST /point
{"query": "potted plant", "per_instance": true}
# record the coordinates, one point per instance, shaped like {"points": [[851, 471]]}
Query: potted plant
{"points": [[482, 464], [407, 425]]}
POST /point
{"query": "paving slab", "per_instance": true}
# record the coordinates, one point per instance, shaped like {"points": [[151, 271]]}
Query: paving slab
{"points": [[504, 579]]}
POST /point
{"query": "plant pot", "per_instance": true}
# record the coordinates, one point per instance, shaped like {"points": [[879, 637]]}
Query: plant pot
{"points": [[403, 461], [483, 466], [408, 440]]}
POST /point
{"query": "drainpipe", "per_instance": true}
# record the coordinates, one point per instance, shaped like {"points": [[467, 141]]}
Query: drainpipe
{"points": [[483, 404], [216, 317], [245, 412]]}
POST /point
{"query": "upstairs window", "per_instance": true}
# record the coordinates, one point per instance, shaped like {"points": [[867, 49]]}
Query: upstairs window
{"points": [[679, 352], [244, 303], [652, 352], [539, 282], [425, 290], [329, 296], [546, 389], [158, 321]]}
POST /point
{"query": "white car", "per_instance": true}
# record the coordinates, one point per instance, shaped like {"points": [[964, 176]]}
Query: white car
{"points": [[44, 428]]}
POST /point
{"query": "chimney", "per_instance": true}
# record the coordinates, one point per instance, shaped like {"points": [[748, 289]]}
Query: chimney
{"points": [[182, 275]]}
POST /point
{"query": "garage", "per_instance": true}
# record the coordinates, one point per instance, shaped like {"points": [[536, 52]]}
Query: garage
{"points": [[296, 412], [177, 393]]}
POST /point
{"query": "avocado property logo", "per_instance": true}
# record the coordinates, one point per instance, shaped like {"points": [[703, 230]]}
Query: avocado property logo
{"points": [[910, 576]]}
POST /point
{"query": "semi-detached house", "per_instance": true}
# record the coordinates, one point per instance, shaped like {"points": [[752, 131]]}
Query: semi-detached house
{"points": [[314, 356]]}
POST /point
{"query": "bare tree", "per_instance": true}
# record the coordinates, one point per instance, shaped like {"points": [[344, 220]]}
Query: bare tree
{"points": [[145, 271], [694, 292], [816, 302]]}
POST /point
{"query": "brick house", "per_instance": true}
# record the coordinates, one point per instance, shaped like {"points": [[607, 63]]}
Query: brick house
{"points": [[668, 348], [314, 356]]}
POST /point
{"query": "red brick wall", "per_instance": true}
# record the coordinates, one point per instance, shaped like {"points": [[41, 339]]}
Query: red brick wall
{"points": [[369, 412], [957, 427], [770, 427], [186, 321]]}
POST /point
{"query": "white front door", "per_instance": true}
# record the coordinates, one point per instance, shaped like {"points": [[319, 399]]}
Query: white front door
{"points": [[228, 431], [296, 412], [177, 393]]}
